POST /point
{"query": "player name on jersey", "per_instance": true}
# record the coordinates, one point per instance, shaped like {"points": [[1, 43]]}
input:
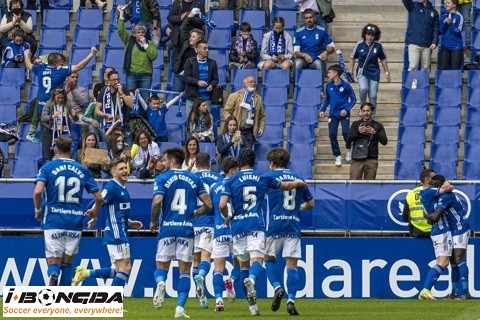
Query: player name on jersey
{"points": [[69, 167], [180, 177], [246, 177]]}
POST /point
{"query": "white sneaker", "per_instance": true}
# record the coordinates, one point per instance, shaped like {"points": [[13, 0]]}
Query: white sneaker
{"points": [[180, 313], [348, 157], [159, 295], [251, 292], [338, 161]]}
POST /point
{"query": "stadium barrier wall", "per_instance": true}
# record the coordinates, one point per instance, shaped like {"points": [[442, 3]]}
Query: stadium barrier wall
{"points": [[340, 206], [386, 267]]}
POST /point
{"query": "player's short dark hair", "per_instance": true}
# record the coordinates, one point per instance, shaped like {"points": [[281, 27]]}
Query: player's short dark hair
{"points": [[115, 161], [279, 157], [425, 174], [246, 157], [200, 43], [308, 11], [437, 180], [372, 107], [336, 68], [202, 160], [175, 153], [229, 163], [53, 58], [63, 144]]}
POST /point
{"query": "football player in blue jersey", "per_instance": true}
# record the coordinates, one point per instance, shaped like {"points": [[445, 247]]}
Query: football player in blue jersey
{"points": [[283, 229], [203, 229], [49, 77], [63, 181], [246, 191], [117, 201], [222, 240], [447, 204], [175, 192]]}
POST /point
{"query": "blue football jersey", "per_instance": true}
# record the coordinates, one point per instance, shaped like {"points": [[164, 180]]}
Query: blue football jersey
{"points": [[65, 180], [246, 190], [454, 212], [428, 197], [220, 228], [117, 202], [283, 207], [180, 190], [49, 78], [208, 178]]}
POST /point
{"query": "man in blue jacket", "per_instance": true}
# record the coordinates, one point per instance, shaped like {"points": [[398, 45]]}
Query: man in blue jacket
{"points": [[422, 32]]}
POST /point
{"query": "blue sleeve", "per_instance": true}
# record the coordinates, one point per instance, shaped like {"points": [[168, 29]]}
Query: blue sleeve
{"points": [[158, 186], [226, 188], [326, 102], [352, 98], [91, 185], [307, 195], [458, 24]]}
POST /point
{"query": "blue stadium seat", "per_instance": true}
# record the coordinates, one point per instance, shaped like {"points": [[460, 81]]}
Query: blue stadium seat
{"points": [[443, 152], [56, 19], [301, 133], [10, 96], [86, 38], [473, 97], [276, 78], [169, 144], [447, 168], [211, 149], [407, 134], [45, 51], [473, 116], [169, 82], [472, 134], [219, 39], [171, 115], [413, 116], [262, 165], [307, 97], [8, 114], [448, 78], [275, 114], [446, 134], [220, 56], [26, 150], [114, 58], [415, 98], [53, 38], [308, 78], [476, 18], [176, 132], [471, 170], [304, 115], [12, 77], [4, 148], [222, 77], [34, 15], [303, 151], [274, 95], [261, 149], [165, 3], [473, 80], [472, 150], [290, 17], [23, 128], [76, 132], [284, 5], [64, 5], [113, 40], [89, 19], [158, 63], [237, 76], [256, 18], [272, 134], [77, 55], [475, 39], [24, 168], [216, 112], [447, 116], [421, 76], [407, 169], [156, 78], [222, 18], [303, 168], [257, 35], [411, 151], [85, 77]]}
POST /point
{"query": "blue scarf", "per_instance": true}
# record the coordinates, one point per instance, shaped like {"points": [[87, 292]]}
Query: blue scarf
{"points": [[136, 8], [209, 23], [232, 152], [276, 44]]}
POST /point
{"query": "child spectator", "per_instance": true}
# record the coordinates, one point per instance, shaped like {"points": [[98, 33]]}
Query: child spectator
{"points": [[13, 54], [200, 122], [277, 47], [156, 114], [243, 53], [340, 96]]}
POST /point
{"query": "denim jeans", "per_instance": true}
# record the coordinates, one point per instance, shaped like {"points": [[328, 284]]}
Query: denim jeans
{"points": [[139, 80], [466, 11], [178, 83], [300, 63], [368, 87], [333, 131]]}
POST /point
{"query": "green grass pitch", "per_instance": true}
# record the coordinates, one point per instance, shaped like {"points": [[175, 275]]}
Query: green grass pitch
{"points": [[331, 309]]}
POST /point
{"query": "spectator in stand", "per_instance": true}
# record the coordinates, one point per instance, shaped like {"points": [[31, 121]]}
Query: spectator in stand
{"points": [[465, 9], [313, 5], [156, 111], [90, 141], [200, 122], [143, 149], [146, 12], [186, 52], [277, 47], [93, 121], [243, 52], [17, 19], [100, 85], [422, 33], [14, 53], [231, 141], [117, 148], [102, 5], [247, 106], [451, 45], [77, 96], [311, 44], [139, 56], [368, 51], [201, 76], [57, 117], [192, 148]]}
